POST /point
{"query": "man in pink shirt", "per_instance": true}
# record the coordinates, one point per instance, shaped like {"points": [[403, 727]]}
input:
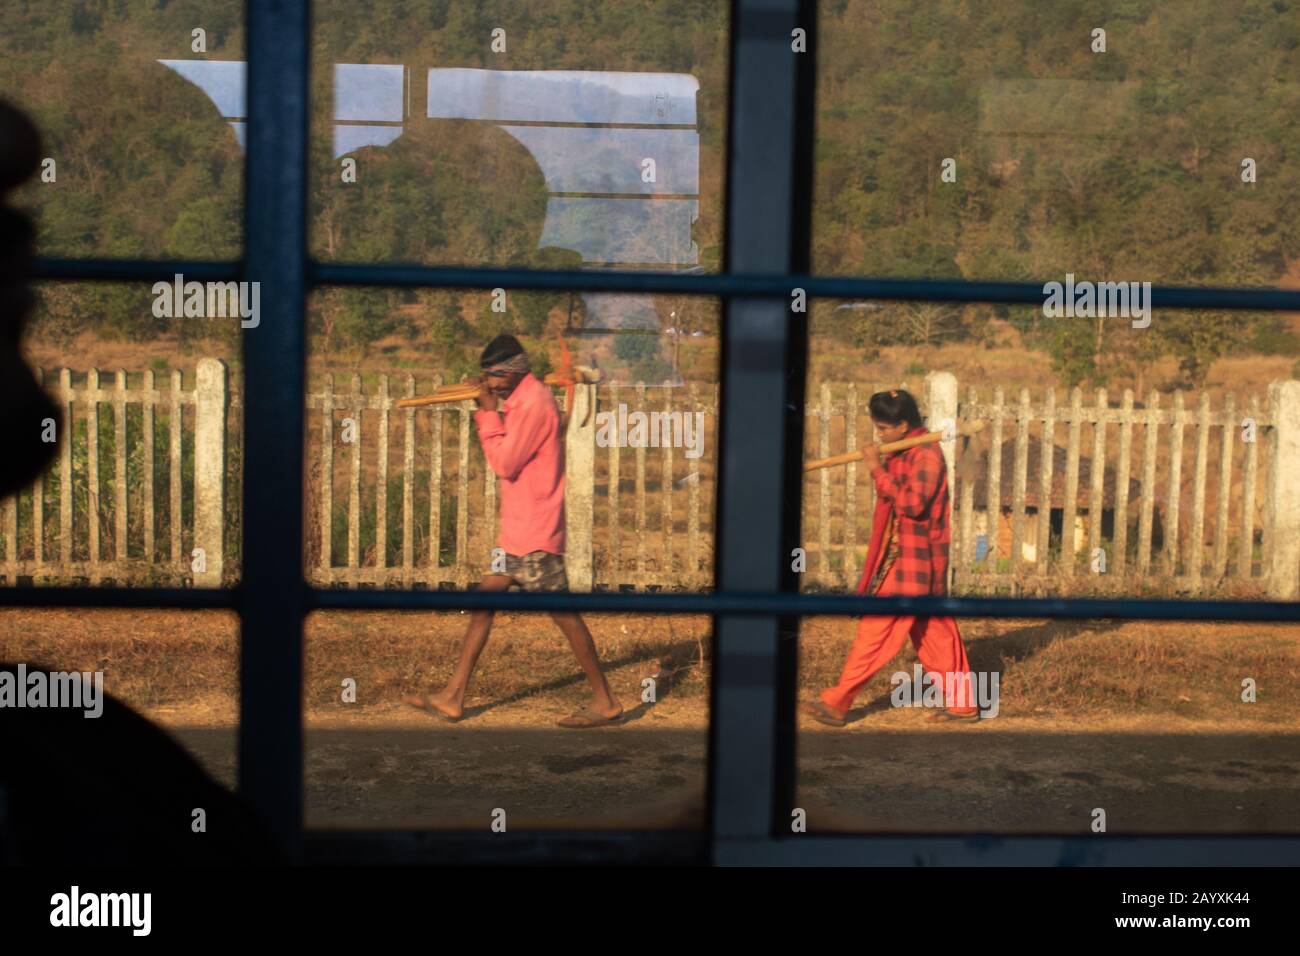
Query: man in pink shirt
{"points": [[523, 445]]}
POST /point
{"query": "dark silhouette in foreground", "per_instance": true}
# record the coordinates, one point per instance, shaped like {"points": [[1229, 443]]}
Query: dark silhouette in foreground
{"points": [[113, 789]]}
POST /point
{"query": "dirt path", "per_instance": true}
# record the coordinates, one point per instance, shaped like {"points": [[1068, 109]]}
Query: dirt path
{"points": [[1142, 719], [1032, 776], [393, 767]]}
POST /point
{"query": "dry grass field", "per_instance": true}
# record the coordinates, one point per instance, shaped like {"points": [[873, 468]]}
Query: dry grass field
{"points": [[1142, 719]]}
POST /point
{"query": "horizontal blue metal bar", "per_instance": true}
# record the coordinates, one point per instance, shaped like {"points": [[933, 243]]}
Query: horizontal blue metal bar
{"points": [[135, 270], [189, 598], [767, 604], [1106, 850], [745, 604], [336, 846], [735, 284], [759, 285]]}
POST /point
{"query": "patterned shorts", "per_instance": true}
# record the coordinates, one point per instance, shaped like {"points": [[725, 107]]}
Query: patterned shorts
{"points": [[538, 571]]}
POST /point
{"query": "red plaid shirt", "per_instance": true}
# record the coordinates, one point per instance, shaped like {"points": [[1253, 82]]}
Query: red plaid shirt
{"points": [[913, 487]]}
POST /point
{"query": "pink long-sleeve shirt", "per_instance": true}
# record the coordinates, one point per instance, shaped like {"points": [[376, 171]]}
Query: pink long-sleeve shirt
{"points": [[523, 446]]}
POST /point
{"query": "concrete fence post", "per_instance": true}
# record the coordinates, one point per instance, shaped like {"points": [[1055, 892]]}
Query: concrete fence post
{"points": [[210, 400], [941, 413], [580, 488], [941, 408], [1283, 568]]}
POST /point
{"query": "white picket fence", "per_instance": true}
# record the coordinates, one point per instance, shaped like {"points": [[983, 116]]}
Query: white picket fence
{"points": [[1171, 494], [105, 549], [1139, 520], [637, 518]]}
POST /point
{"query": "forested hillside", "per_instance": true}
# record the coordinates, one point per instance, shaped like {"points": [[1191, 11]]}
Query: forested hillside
{"points": [[1123, 164]]}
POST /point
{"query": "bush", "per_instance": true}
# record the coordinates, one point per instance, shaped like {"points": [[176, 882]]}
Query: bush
{"points": [[643, 354]]}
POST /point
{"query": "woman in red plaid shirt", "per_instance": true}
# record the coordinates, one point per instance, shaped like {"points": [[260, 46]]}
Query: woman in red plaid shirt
{"points": [[908, 556]]}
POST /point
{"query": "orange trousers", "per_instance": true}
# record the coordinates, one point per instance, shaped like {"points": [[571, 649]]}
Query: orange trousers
{"points": [[938, 645]]}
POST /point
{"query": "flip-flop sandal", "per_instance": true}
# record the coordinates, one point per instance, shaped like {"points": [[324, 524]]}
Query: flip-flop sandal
{"points": [[421, 702], [818, 712], [947, 716], [586, 718]]}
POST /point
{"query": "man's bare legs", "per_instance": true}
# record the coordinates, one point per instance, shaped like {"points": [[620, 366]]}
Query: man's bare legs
{"points": [[584, 649], [450, 700]]}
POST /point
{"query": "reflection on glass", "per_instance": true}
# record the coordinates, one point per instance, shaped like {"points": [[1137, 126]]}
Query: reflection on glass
{"points": [[141, 109], [625, 161], [223, 81]]}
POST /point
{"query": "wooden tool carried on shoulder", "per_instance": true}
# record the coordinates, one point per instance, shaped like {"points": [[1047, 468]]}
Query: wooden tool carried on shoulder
{"points": [[969, 428], [468, 391]]}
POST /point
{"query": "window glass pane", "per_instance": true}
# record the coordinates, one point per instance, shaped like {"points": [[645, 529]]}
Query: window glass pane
{"points": [[1089, 457], [1085, 727], [141, 111], [533, 134], [999, 141], [144, 486], [71, 745], [374, 760], [623, 489]]}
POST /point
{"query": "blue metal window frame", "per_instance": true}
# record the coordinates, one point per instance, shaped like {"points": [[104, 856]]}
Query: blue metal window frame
{"points": [[757, 606]]}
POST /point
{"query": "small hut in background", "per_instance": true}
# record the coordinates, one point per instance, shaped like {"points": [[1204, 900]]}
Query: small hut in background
{"points": [[976, 469]]}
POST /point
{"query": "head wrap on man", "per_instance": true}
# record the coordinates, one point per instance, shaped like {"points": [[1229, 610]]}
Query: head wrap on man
{"points": [[504, 354]]}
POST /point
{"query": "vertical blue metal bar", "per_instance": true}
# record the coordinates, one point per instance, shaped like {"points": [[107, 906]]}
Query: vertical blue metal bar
{"points": [[751, 737], [273, 591]]}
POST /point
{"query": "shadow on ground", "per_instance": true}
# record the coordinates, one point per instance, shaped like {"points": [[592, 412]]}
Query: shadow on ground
{"points": [[968, 779], [956, 779], [991, 654]]}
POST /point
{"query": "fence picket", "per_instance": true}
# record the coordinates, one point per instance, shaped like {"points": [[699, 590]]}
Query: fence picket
{"points": [[693, 502], [119, 465], [824, 486], [1119, 543], [1097, 488], [1246, 543], [435, 488], [327, 473], [668, 568], [849, 572], [1146, 517], [408, 486], [38, 501], [92, 470], [381, 480], [1019, 481], [966, 528], [1196, 543], [69, 410], [640, 499], [462, 498], [354, 484], [11, 536], [994, 493], [1221, 531], [146, 418], [1069, 547], [615, 518], [175, 515], [1175, 486]]}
